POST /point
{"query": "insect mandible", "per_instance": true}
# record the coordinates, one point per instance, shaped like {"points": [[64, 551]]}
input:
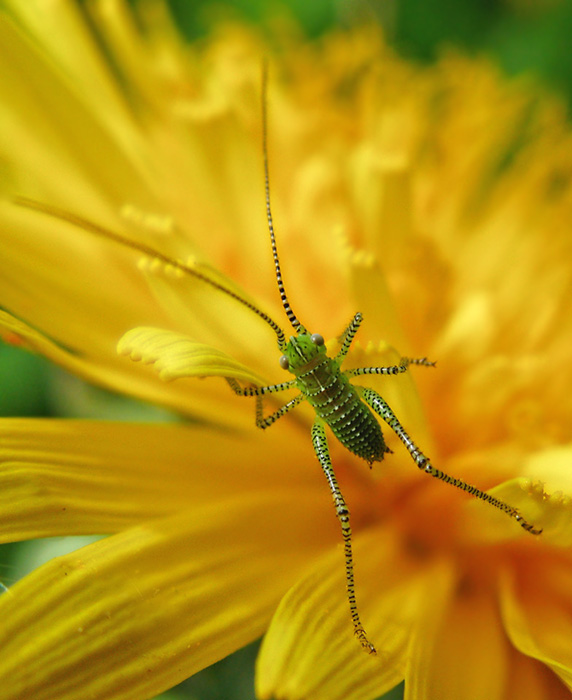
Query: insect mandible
{"points": [[348, 410]]}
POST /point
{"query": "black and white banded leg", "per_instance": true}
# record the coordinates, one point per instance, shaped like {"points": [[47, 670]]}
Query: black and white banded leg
{"points": [[258, 392], [320, 443], [376, 402]]}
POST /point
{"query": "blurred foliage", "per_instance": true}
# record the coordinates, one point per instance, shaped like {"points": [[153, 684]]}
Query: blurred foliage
{"points": [[521, 35], [23, 383]]}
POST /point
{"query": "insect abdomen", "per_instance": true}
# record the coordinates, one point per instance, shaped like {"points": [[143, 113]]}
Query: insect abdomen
{"points": [[338, 404]]}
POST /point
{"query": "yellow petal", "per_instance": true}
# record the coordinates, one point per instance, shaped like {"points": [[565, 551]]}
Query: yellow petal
{"points": [[459, 649], [22, 335], [79, 55], [175, 356], [370, 290], [531, 680], [210, 315], [551, 513], [94, 358], [131, 615], [314, 616], [77, 127], [536, 604], [553, 467], [78, 477]]}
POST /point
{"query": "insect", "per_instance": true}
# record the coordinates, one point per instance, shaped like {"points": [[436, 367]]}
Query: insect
{"points": [[350, 411]]}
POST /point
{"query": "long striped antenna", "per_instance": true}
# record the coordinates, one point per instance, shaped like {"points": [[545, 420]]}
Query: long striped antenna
{"points": [[298, 327], [151, 252]]}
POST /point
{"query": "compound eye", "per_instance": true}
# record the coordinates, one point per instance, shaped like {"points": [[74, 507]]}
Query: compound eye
{"points": [[284, 363], [317, 339]]}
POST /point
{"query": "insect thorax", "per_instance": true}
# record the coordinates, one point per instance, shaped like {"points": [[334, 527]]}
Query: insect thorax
{"points": [[334, 398]]}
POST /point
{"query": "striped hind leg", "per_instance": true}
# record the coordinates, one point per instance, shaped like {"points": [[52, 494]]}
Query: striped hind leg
{"points": [[374, 400], [320, 443]]}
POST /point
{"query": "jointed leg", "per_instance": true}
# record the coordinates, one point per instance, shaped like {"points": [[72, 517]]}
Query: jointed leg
{"points": [[265, 422], [258, 391], [346, 340], [348, 336], [393, 369], [322, 452], [374, 400]]}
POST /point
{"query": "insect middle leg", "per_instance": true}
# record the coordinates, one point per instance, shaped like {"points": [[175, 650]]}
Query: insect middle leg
{"points": [[377, 403], [320, 443], [403, 366], [346, 340], [258, 391]]}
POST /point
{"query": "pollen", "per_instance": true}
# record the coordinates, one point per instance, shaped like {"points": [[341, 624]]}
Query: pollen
{"points": [[156, 223], [155, 266], [173, 272], [361, 259]]}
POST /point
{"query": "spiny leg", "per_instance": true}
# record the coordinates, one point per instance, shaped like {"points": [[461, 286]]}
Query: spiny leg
{"points": [[258, 392], [346, 340], [266, 422], [320, 443], [348, 335], [374, 400], [403, 366]]}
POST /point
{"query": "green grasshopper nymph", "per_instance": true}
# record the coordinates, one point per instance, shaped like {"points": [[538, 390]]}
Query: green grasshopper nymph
{"points": [[350, 411]]}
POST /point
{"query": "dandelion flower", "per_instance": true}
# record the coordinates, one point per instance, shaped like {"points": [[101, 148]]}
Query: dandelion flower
{"points": [[435, 201]]}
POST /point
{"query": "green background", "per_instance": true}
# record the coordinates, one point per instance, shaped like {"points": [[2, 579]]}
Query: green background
{"points": [[531, 36]]}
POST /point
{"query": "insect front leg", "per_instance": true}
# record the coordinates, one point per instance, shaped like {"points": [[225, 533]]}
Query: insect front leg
{"points": [[265, 422], [258, 391], [320, 443], [375, 401], [347, 336]]}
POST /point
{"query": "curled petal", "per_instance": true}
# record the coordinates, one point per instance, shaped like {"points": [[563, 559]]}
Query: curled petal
{"points": [[553, 467], [549, 512], [175, 356]]}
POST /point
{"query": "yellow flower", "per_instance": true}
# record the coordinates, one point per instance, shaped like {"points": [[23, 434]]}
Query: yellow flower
{"points": [[435, 201]]}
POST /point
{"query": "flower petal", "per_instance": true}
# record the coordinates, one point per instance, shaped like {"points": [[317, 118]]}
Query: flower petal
{"points": [[175, 356], [120, 375], [22, 335], [531, 680], [536, 604], [209, 315], [553, 467], [551, 513], [131, 615], [370, 290], [459, 649], [79, 477], [314, 616]]}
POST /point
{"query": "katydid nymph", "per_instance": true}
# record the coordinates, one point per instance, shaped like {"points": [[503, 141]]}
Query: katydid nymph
{"points": [[350, 411]]}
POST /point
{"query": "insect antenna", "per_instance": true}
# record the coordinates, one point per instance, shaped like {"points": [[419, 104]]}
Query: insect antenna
{"points": [[298, 327], [186, 268]]}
